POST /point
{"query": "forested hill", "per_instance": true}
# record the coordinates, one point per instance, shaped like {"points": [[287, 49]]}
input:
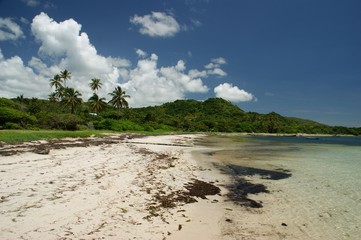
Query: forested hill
{"points": [[219, 115], [212, 115]]}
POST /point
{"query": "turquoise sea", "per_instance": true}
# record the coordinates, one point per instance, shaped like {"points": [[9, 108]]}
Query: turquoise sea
{"points": [[315, 182]]}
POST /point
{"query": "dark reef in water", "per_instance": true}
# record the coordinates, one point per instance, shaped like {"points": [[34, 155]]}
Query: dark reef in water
{"points": [[240, 188], [265, 174]]}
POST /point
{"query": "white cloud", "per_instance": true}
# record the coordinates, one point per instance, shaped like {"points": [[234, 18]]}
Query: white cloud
{"points": [[216, 63], [9, 30], [214, 67], [24, 20], [219, 61], [150, 85], [16, 79], [41, 68], [62, 45], [119, 62], [217, 71], [141, 53], [156, 24], [194, 73], [66, 47], [71, 49], [232, 93]]}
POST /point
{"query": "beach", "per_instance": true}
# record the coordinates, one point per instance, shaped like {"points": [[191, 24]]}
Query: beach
{"points": [[118, 187], [177, 187]]}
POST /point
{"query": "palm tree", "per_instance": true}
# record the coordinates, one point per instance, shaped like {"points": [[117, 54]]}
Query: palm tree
{"points": [[20, 98], [60, 93], [95, 84], [118, 98], [65, 75], [53, 97], [96, 103], [72, 98], [56, 82]]}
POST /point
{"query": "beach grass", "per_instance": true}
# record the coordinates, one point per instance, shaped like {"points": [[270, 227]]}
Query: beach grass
{"points": [[16, 136]]}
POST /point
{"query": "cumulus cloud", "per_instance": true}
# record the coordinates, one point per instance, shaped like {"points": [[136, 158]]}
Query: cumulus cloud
{"points": [[9, 30], [214, 67], [232, 93], [62, 45], [219, 61], [156, 24], [67, 47], [16, 78], [71, 49], [194, 73], [141, 53], [216, 63], [150, 85]]}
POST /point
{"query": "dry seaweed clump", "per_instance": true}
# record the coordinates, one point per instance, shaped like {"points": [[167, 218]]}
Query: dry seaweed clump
{"points": [[201, 189], [195, 189]]}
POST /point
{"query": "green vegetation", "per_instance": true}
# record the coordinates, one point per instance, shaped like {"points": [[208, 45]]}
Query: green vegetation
{"points": [[65, 110], [14, 136], [212, 115]]}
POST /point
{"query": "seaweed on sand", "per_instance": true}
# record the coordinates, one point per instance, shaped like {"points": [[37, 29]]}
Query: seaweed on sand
{"points": [[195, 189]]}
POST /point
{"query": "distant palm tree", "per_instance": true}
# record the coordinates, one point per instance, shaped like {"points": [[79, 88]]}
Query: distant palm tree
{"points": [[96, 103], [118, 98], [20, 97], [95, 84], [72, 98], [65, 75], [60, 93], [56, 82], [53, 97]]}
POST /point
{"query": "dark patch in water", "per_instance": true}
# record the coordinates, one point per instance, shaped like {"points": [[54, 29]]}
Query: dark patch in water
{"points": [[265, 174], [240, 188]]}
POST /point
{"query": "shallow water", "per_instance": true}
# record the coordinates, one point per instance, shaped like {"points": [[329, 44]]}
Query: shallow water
{"points": [[321, 197]]}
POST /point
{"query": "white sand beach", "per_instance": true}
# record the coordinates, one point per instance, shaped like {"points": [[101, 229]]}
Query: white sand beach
{"points": [[122, 187], [117, 190]]}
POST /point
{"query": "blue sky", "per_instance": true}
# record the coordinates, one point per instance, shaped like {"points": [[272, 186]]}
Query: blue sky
{"points": [[297, 58]]}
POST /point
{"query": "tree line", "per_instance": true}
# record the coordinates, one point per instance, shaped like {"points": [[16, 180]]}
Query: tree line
{"points": [[71, 98]]}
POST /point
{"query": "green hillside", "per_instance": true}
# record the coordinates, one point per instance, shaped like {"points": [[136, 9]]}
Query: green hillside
{"points": [[212, 115]]}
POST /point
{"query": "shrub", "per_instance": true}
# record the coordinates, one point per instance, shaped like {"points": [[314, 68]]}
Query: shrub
{"points": [[10, 115], [11, 125], [64, 121], [4, 102], [117, 125]]}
